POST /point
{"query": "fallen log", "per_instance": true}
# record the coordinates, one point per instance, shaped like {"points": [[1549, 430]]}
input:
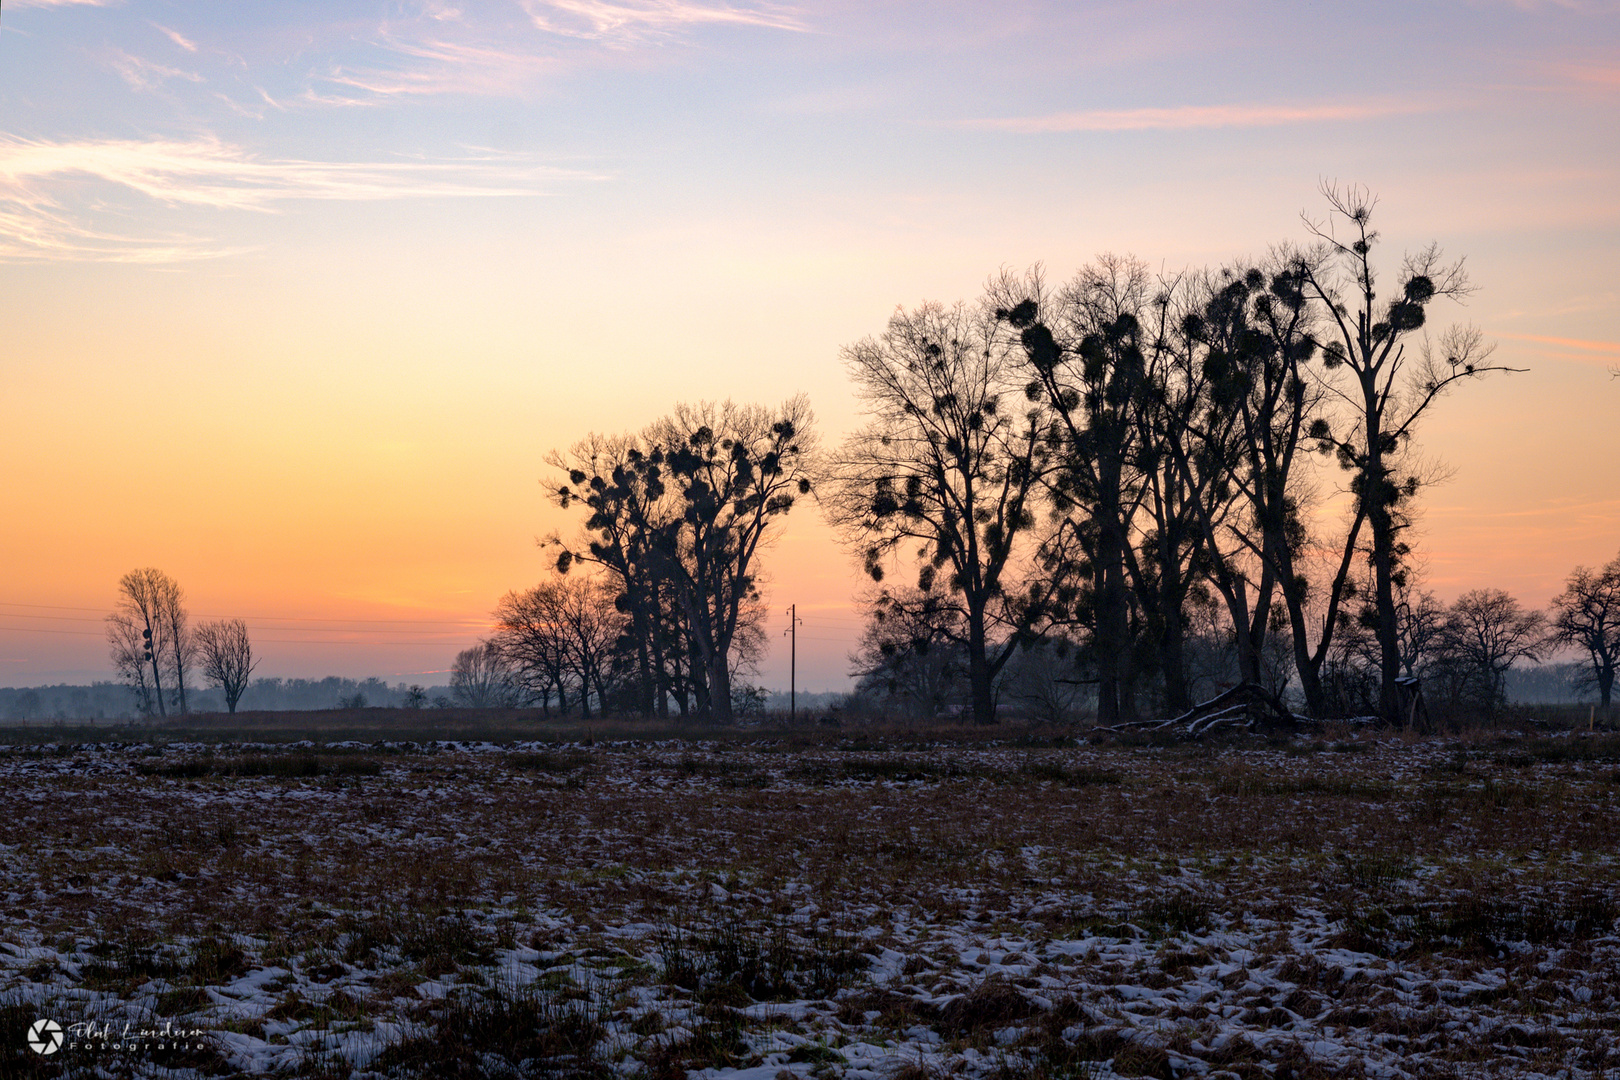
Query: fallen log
{"points": [[1246, 705]]}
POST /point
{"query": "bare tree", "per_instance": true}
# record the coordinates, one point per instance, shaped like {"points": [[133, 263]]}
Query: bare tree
{"points": [[482, 678], [609, 476], [1586, 615], [563, 635], [148, 632], [226, 656], [946, 468], [1388, 391], [132, 661], [1484, 632], [583, 611], [534, 644], [685, 510], [1088, 352], [912, 654], [182, 644]]}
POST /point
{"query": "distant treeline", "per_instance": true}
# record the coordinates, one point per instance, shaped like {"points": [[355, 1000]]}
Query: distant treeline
{"points": [[1549, 684], [1546, 684], [115, 701]]}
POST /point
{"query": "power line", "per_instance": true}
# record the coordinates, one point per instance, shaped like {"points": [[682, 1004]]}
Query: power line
{"points": [[101, 612]]}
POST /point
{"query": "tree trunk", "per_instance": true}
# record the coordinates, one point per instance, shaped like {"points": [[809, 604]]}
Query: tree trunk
{"points": [[157, 675], [719, 680], [1380, 495], [979, 674], [1113, 627]]}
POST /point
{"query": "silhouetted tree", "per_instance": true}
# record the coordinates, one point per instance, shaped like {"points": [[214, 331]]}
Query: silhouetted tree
{"points": [[533, 642], [579, 615], [610, 476], [132, 662], [1254, 339], [912, 653], [1388, 392], [226, 657], [1586, 615], [950, 464], [1088, 352], [1484, 632], [482, 678], [736, 469], [683, 511], [148, 633]]}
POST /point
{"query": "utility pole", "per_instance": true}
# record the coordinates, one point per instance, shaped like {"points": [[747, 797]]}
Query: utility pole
{"points": [[792, 633]]}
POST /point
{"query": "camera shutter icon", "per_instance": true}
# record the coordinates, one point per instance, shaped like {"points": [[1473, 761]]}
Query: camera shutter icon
{"points": [[45, 1037]]}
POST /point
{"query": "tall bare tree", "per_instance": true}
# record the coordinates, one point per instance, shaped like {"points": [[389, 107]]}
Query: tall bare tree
{"points": [[610, 477], [151, 611], [1586, 615], [689, 505], [1089, 353], [1385, 391], [737, 469], [226, 657], [947, 466]]}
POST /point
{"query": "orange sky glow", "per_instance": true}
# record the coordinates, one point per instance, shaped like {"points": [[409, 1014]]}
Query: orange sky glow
{"points": [[296, 300]]}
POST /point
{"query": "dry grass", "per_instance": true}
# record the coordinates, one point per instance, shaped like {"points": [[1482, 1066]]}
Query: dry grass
{"points": [[938, 902]]}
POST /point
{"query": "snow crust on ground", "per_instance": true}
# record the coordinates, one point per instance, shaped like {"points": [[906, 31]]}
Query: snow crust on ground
{"points": [[1372, 909]]}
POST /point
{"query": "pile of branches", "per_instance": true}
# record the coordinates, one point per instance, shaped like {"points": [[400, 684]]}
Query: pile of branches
{"points": [[1245, 707]]}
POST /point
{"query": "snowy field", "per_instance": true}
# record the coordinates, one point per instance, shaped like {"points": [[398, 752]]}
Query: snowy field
{"points": [[821, 908]]}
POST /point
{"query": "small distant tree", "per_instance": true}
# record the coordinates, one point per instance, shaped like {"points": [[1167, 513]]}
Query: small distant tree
{"points": [[150, 641], [912, 658], [482, 678], [1485, 631], [415, 696], [1586, 615], [560, 636], [132, 660], [226, 657]]}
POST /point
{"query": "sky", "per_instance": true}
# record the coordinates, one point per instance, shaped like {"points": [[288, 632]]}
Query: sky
{"points": [[297, 297]]}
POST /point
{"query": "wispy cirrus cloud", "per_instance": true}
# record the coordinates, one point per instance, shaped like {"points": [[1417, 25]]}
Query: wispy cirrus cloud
{"points": [[53, 194], [143, 74], [177, 37], [628, 21], [1195, 116], [443, 67]]}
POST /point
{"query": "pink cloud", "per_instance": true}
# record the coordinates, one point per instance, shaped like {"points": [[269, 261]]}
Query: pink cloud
{"points": [[1194, 116], [1569, 343]]}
